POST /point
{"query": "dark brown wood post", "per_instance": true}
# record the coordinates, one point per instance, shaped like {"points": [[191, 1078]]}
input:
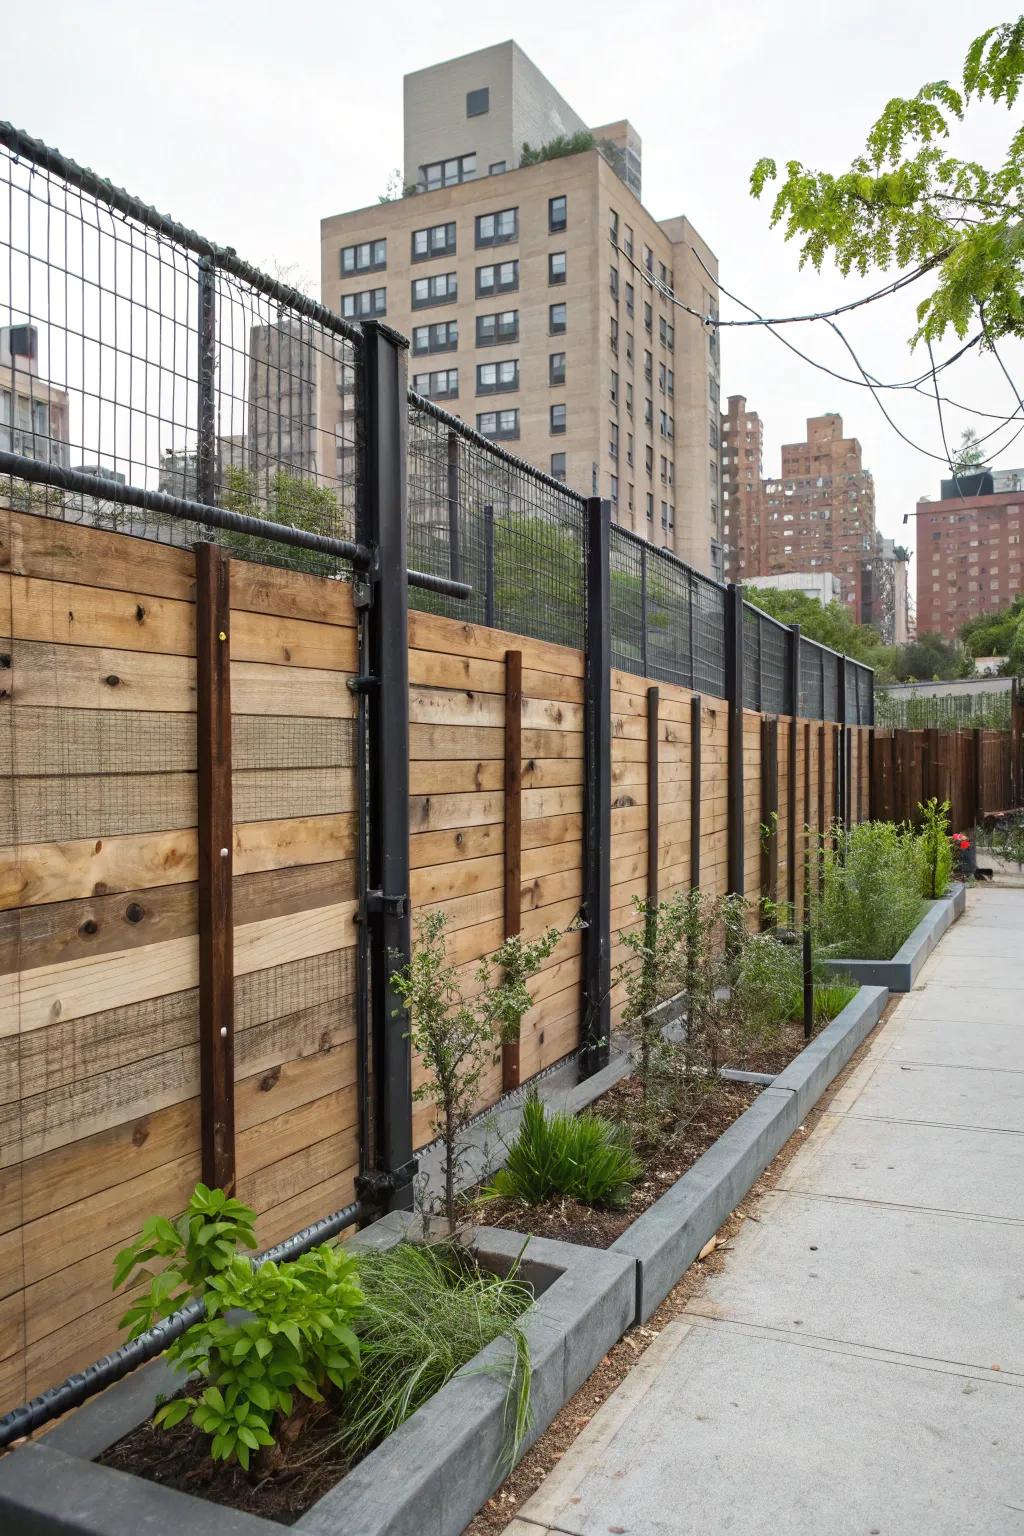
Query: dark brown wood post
{"points": [[769, 813], [695, 786], [510, 1049], [215, 837], [978, 798], [653, 809]]}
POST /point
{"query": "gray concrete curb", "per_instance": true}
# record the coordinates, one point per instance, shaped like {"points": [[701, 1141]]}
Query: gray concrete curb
{"points": [[666, 1239], [901, 972], [431, 1475]]}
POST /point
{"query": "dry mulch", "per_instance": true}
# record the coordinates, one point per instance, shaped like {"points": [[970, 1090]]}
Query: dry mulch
{"points": [[620, 1360], [713, 1111]]}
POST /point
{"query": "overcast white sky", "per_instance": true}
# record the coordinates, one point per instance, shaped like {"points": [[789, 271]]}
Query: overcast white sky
{"points": [[251, 122]]}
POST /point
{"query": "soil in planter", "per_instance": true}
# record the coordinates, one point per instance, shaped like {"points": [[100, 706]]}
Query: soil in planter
{"points": [[666, 1158], [772, 1056]]}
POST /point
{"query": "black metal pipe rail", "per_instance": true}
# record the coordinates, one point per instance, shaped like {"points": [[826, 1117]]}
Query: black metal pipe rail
{"points": [[226, 259], [78, 1388], [38, 472]]}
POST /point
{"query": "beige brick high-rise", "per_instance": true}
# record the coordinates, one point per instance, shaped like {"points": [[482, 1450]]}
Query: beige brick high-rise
{"points": [[539, 299]]}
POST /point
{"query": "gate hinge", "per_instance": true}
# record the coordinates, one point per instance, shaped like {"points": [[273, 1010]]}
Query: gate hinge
{"points": [[391, 906], [364, 684], [375, 1185], [362, 594]]}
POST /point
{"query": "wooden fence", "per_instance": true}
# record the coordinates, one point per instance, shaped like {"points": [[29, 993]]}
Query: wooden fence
{"points": [[102, 1120], [978, 771]]}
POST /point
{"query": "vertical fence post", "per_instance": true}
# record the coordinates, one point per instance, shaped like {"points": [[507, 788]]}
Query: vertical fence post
{"points": [[510, 1050], [807, 820], [597, 805], [842, 782], [769, 813], [1016, 744], [643, 610], [793, 691], [695, 788], [454, 550], [489, 566], [215, 840], [206, 419], [381, 525], [653, 809], [734, 706], [979, 795], [691, 587]]}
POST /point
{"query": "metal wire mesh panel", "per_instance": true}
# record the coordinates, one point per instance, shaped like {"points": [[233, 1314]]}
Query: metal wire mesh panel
{"points": [[810, 679], [774, 646], [480, 516], [829, 685], [751, 658], [629, 594], [127, 355], [670, 619], [708, 636]]}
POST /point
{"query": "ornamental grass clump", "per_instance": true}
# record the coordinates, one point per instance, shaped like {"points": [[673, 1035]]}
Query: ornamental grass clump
{"points": [[934, 849], [866, 900], [579, 1157]]}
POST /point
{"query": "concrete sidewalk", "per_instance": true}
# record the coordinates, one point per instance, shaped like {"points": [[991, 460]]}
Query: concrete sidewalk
{"points": [[858, 1366]]}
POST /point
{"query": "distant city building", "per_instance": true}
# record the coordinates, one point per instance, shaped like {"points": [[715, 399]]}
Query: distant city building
{"points": [[820, 512], [34, 418], [885, 600], [538, 298], [968, 556], [821, 585], [99, 511], [281, 420]]}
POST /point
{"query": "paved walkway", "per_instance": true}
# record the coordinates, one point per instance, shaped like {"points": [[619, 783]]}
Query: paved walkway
{"points": [[858, 1367]]}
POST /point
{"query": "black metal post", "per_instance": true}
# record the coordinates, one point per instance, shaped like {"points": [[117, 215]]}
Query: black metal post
{"points": [[808, 966], [382, 513], [206, 416], [489, 566], [454, 551], [597, 805], [643, 609], [734, 706], [692, 588], [794, 747], [842, 781], [695, 790]]}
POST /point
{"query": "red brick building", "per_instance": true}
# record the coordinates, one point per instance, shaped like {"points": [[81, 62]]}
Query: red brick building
{"points": [[968, 558], [742, 461]]}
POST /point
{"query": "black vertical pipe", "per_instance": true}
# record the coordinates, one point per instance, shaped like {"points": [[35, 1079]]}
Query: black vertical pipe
{"points": [[643, 610], [808, 979], [842, 782], [695, 788], [597, 805], [692, 589], [381, 519], [206, 415], [793, 691], [454, 551], [734, 706], [489, 566], [653, 812]]}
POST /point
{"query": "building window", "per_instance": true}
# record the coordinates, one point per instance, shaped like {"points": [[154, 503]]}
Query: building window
{"points": [[556, 267], [649, 259], [613, 225], [666, 332], [664, 515], [629, 348], [502, 278], [557, 418], [497, 228], [665, 425], [648, 318], [629, 497], [443, 337], [613, 440], [649, 458], [648, 367], [613, 334], [503, 326], [442, 288], [556, 368], [557, 322], [558, 466], [448, 173], [629, 447], [661, 377], [650, 507], [558, 214], [493, 378], [613, 283], [648, 412], [613, 486], [357, 306], [498, 168], [630, 298], [437, 240], [442, 385], [370, 256], [712, 434], [478, 102], [629, 398], [498, 424], [671, 382], [613, 388]]}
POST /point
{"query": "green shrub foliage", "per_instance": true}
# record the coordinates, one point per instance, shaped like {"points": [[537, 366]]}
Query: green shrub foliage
{"points": [[934, 849], [582, 1157], [867, 898]]}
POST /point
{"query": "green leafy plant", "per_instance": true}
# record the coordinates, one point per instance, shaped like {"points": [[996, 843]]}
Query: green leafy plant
{"points": [[201, 1243], [866, 899], [556, 148], [934, 849], [768, 975], [427, 1312], [830, 998], [294, 1334], [455, 1037], [582, 1157]]}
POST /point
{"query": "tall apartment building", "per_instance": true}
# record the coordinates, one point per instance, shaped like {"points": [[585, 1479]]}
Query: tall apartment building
{"points": [[885, 598], [968, 554], [538, 298], [819, 514]]}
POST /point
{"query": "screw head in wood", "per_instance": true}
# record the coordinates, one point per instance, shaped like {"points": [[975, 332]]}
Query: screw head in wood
{"points": [[224, 853]]}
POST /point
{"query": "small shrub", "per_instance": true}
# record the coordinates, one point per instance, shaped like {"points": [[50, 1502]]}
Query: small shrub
{"points": [[830, 998], [768, 975], [869, 899], [934, 849], [582, 1157], [518, 961]]}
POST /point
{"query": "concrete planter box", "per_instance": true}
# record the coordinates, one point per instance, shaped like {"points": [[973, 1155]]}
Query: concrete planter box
{"points": [[901, 972], [666, 1239], [427, 1479]]}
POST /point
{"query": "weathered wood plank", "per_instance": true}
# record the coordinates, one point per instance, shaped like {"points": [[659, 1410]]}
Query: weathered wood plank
{"points": [[433, 632]]}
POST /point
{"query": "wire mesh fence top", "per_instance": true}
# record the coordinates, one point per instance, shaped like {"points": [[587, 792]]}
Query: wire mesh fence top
{"points": [[135, 352]]}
